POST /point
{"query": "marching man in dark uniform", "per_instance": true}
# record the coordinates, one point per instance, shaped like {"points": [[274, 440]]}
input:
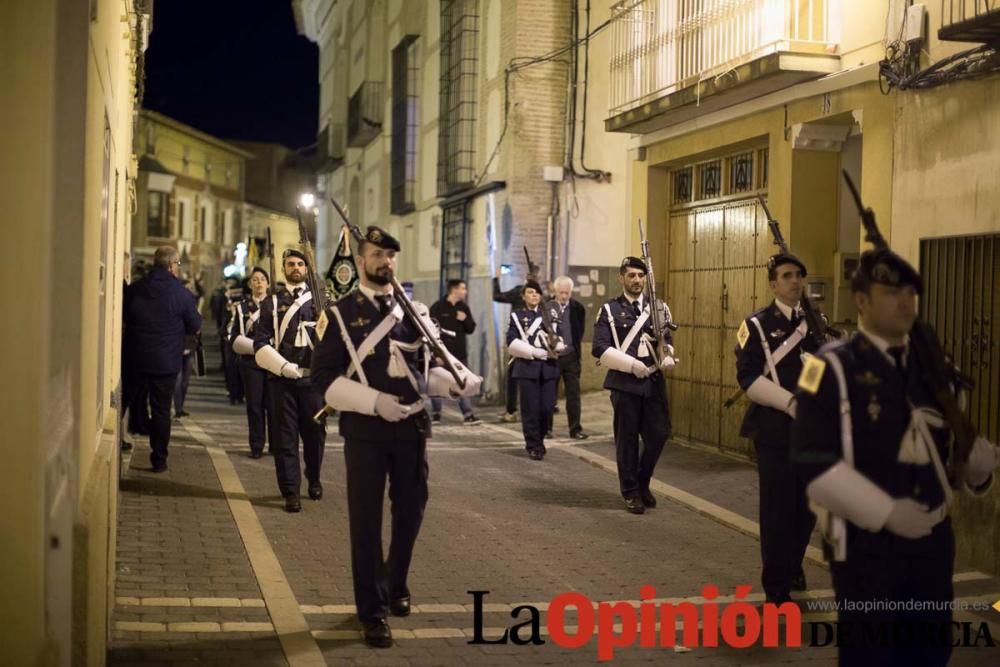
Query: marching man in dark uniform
{"points": [[241, 327], [871, 443], [534, 344], [283, 340], [371, 363], [772, 342], [624, 344]]}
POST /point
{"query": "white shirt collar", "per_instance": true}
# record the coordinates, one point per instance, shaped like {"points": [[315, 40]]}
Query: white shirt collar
{"points": [[304, 286], [787, 310], [371, 293], [883, 345], [631, 300]]}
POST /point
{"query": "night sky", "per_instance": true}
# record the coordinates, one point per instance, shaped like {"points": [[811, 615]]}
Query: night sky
{"points": [[236, 69]]}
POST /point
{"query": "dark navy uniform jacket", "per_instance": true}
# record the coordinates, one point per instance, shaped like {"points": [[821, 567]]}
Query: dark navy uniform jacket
{"points": [[264, 331], [241, 324], [762, 422], [331, 360], [880, 417], [624, 316], [531, 369], [158, 311]]}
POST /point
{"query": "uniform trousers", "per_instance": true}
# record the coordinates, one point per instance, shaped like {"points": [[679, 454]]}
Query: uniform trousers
{"points": [[637, 416], [260, 415], [897, 637], [511, 391], [786, 522], [295, 403], [538, 397], [378, 581], [231, 371]]}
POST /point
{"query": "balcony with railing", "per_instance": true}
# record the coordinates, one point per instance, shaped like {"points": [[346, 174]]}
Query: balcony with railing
{"points": [[364, 114], [970, 21], [674, 59]]}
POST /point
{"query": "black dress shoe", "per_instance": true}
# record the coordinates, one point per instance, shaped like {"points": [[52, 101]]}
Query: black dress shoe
{"points": [[293, 504], [400, 606], [648, 499], [634, 506], [315, 490], [256, 455], [536, 455], [159, 467], [799, 582], [579, 435], [378, 634]]}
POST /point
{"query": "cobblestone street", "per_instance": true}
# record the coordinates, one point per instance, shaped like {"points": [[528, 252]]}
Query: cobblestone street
{"points": [[211, 570]]}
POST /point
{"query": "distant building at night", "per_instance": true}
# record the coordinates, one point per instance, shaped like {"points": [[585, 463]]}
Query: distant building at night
{"points": [[190, 193]]}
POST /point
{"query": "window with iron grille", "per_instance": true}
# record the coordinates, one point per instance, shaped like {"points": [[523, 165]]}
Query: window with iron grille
{"points": [[405, 126], [454, 239], [457, 115], [741, 173], [682, 186], [710, 179]]}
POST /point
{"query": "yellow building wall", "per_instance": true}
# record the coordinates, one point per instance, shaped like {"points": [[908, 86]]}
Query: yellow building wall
{"points": [[66, 73], [171, 144]]}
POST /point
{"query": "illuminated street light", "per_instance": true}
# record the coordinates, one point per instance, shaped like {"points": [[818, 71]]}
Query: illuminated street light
{"points": [[307, 200]]}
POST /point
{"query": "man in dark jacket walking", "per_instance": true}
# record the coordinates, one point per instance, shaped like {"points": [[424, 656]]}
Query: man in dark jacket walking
{"points": [[158, 313]]}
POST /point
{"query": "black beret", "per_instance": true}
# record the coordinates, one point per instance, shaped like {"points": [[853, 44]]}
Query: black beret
{"points": [[632, 263], [774, 261], [294, 252], [379, 237], [532, 284], [884, 267]]}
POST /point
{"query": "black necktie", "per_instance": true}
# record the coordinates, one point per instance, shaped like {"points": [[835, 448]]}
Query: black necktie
{"points": [[297, 292], [637, 307], [384, 303], [897, 352]]}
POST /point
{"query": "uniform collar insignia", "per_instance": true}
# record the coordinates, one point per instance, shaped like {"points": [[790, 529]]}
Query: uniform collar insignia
{"points": [[778, 333], [359, 322]]}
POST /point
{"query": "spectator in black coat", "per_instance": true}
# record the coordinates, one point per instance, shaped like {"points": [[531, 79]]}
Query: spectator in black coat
{"points": [[158, 313], [571, 316], [455, 321]]}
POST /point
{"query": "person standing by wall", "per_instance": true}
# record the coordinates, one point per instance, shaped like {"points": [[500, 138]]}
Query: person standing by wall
{"points": [[455, 323]]}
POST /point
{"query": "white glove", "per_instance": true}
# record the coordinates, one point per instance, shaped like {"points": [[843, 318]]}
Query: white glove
{"points": [[983, 459], [560, 346], [668, 362], [390, 409], [291, 371], [540, 353], [910, 518], [639, 369]]}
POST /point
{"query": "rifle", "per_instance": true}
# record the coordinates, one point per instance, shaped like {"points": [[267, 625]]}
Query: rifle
{"points": [[429, 337], [654, 310], [818, 328], [937, 369], [550, 332], [316, 285], [272, 288]]}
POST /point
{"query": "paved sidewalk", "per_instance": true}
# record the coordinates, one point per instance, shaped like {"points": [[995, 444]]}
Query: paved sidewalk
{"points": [[194, 587]]}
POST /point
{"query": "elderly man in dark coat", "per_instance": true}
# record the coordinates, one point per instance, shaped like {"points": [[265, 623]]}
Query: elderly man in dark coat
{"points": [[158, 312]]}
